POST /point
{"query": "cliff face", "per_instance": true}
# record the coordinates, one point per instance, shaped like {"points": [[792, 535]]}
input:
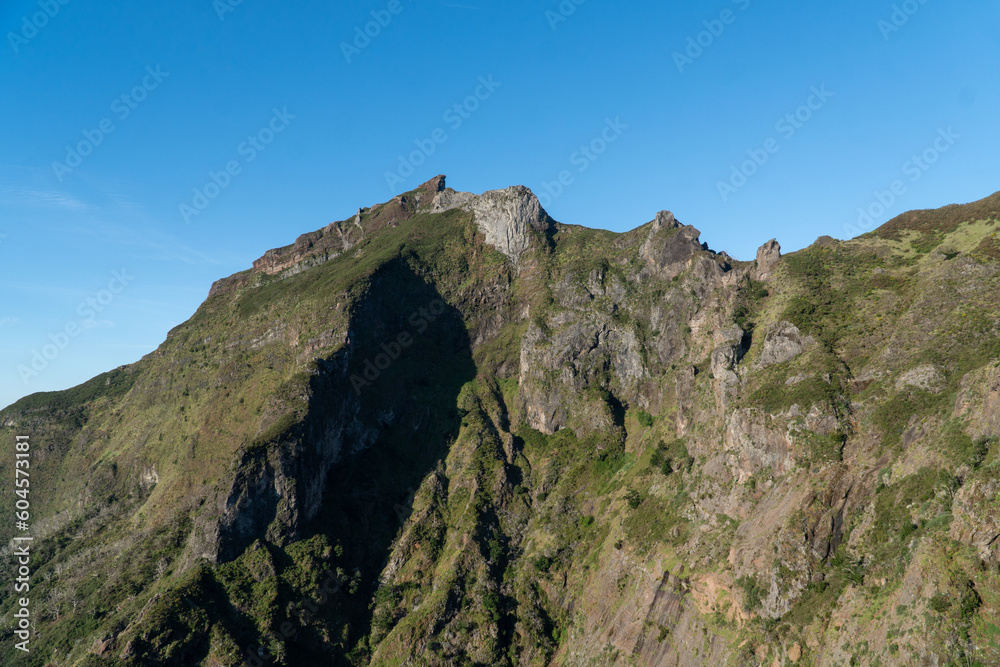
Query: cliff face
{"points": [[451, 430]]}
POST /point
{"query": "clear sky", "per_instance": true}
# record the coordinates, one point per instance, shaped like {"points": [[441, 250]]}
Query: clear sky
{"points": [[112, 115]]}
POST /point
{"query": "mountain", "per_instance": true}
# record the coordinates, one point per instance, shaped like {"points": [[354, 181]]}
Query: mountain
{"points": [[453, 431]]}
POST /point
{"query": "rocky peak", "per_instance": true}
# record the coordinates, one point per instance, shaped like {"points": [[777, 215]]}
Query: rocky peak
{"points": [[436, 184], [665, 220], [768, 256], [669, 245], [505, 217]]}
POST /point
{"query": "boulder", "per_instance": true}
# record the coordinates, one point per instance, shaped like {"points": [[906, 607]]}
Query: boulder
{"points": [[783, 343]]}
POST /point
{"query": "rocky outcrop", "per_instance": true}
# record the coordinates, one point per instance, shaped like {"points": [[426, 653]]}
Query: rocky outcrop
{"points": [[926, 377], [449, 199], [669, 246], [783, 343], [558, 365], [978, 401], [507, 219], [724, 359], [756, 442], [315, 248], [768, 257], [976, 521]]}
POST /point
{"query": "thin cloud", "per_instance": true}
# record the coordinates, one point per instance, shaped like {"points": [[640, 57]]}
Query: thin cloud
{"points": [[9, 322], [42, 199]]}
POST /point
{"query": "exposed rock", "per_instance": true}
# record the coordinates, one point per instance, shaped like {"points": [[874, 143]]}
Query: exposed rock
{"points": [[927, 377], [976, 521], [572, 353], [979, 402], [819, 422], [436, 184], [669, 246], [724, 360], [228, 285], [730, 336], [757, 442], [783, 343], [665, 220], [507, 218], [768, 256], [795, 653], [684, 388], [449, 199]]}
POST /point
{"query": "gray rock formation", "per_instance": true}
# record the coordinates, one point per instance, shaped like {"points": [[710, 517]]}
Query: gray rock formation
{"points": [[507, 218], [669, 246], [448, 199], [927, 377], [724, 360], [783, 343], [768, 256], [976, 521], [758, 442]]}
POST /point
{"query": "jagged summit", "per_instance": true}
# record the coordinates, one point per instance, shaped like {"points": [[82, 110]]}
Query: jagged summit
{"points": [[452, 431], [506, 218]]}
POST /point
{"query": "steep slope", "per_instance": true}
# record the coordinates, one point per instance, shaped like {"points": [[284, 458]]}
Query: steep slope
{"points": [[454, 431]]}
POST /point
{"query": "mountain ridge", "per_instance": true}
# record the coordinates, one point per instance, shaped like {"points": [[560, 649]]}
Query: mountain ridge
{"points": [[568, 446]]}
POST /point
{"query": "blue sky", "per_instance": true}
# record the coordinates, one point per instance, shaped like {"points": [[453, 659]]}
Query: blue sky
{"points": [[636, 107]]}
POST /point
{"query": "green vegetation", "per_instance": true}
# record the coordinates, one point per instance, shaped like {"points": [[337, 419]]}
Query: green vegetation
{"points": [[753, 592], [644, 418], [110, 386], [672, 457], [655, 521], [182, 519], [748, 303]]}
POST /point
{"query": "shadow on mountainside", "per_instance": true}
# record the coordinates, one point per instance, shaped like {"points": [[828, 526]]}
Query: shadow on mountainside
{"points": [[408, 357]]}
